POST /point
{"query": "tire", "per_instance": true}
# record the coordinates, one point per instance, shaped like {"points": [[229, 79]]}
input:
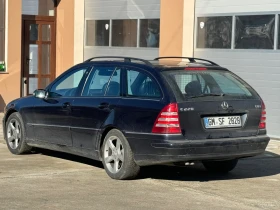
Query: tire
{"points": [[15, 133], [117, 157], [220, 166]]}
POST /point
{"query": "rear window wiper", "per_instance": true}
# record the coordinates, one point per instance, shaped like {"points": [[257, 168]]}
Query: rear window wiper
{"points": [[208, 94]]}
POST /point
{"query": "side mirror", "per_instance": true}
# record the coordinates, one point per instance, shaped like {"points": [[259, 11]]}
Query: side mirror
{"points": [[39, 93]]}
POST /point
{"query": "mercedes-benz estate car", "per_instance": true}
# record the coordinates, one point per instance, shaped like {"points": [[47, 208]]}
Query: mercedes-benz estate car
{"points": [[129, 112]]}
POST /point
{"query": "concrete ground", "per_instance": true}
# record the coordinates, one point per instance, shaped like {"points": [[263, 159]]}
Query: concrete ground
{"points": [[52, 180]]}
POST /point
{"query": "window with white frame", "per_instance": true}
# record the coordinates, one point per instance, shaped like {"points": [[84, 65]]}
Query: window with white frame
{"points": [[278, 31], [254, 32], [149, 32], [124, 33], [214, 32], [97, 32]]}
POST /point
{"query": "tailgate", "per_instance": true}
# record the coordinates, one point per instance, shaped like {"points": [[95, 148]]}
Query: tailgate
{"points": [[219, 118]]}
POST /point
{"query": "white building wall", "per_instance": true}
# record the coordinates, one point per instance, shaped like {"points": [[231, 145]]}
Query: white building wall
{"points": [[121, 9], [240, 6], [260, 68]]}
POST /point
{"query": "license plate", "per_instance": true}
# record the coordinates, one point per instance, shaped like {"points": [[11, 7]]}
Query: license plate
{"points": [[222, 122]]}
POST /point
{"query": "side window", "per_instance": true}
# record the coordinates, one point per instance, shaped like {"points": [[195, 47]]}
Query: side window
{"points": [[67, 86], [140, 84], [103, 81]]}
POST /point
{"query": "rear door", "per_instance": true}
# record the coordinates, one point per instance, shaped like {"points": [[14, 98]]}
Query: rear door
{"points": [[142, 102], [97, 103], [215, 104]]}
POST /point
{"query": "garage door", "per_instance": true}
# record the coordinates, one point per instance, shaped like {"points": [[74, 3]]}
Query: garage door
{"points": [[122, 28], [244, 36]]}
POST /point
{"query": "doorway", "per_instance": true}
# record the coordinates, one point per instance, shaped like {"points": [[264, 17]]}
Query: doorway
{"points": [[38, 52]]}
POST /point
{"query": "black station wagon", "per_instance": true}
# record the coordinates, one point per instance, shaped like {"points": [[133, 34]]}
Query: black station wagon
{"points": [[129, 112]]}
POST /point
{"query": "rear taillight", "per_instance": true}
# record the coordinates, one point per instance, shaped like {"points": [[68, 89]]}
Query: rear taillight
{"points": [[262, 124], [167, 121]]}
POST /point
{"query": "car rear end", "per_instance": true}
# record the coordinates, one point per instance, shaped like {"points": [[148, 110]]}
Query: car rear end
{"points": [[215, 116]]}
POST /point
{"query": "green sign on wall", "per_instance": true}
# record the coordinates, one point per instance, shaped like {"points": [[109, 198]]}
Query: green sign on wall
{"points": [[2, 66]]}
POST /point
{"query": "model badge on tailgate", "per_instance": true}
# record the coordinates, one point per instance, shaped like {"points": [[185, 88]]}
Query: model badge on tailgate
{"points": [[186, 109]]}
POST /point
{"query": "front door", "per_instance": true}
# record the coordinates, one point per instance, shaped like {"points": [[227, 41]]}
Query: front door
{"points": [[38, 61], [53, 115]]}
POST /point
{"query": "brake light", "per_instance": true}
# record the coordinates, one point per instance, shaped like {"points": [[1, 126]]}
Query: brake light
{"points": [[196, 68], [167, 121], [262, 124]]}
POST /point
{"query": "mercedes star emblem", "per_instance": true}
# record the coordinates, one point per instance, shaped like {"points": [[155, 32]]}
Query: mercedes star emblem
{"points": [[224, 105]]}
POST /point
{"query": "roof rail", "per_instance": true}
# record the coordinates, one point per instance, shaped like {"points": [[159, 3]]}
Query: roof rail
{"points": [[192, 60], [126, 59]]}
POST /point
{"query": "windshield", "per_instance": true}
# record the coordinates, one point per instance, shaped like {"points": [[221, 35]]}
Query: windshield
{"points": [[208, 83]]}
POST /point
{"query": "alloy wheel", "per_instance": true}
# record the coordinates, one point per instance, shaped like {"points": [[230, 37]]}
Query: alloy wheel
{"points": [[14, 133], [113, 154]]}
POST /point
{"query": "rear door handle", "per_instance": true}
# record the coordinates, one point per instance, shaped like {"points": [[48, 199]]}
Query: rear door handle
{"points": [[103, 106], [66, 105]]}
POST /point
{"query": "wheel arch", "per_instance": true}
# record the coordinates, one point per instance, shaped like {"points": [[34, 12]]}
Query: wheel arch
{"points": [[102, 136]]}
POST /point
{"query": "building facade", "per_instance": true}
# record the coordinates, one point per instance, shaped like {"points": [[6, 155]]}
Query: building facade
{"points": [[40, 39]]}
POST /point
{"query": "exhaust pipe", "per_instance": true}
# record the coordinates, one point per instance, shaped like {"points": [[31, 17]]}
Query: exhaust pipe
{"points": [[189, 163]]}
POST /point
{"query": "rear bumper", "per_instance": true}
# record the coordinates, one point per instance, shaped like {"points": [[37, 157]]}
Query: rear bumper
{"points": [[150, 152]]}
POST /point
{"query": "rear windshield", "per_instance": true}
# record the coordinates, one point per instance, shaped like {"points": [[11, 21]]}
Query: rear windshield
{"points": [[209, 83]]}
